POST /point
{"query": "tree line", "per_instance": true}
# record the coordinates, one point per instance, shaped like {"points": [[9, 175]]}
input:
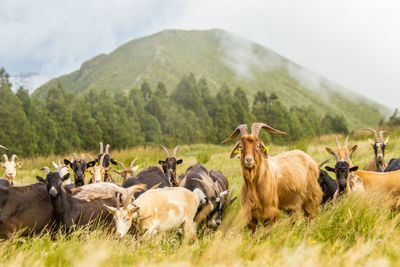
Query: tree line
{"points": [[63, 122]]}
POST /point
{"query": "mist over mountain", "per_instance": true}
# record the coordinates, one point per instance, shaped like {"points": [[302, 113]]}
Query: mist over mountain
{"points": [[221, 58]]}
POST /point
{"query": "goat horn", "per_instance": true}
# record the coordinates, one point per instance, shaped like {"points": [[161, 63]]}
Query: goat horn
{"points": [[59, 168], [231, 194], [82, 156], [323, 163], [101, 148], [55, 164], [256, 127], [117, 198], [132, 162], [345, 141], [374, 132], [90, 156], [337, 142], [349, 154], [3, 147], [330, 151], [75, 157], [102, 159], [242, 129], [381, 135], [5, 157], [13, 157], [46, 169], [128, 199], [174, 151], [120, 163], [107, 148], [206, 187], [165, 151]]}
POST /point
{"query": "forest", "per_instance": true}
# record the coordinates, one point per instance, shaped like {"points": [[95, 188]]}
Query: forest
{"points": [[191, 114]]}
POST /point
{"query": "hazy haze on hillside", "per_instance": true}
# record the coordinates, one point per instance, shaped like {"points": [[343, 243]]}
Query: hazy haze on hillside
{"points": [[352, 43]]}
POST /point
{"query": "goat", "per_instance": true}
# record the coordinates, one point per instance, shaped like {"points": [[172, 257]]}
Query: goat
{"points": [[99, 172], [4, 183], [158, 210], [346, 180], [394, 165], [10, 168], [107, 158], [79, 167], [377, 163], [288, 181], [210, 193], [126, 172], [327, 184], [26, 208], [63, 171], [169, 166], [70, 211], [150, 177], [342, 151]]}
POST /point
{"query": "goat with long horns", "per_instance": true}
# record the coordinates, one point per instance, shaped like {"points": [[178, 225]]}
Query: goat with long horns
{"points": [[288, 181], [377, 163]]}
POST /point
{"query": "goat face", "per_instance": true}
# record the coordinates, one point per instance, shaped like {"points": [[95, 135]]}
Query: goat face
{"points": [[98, 173], [79, 168], [53, 182], [10, 169], [342, 171], [169, 169], [252, 151], [379, 150], [124, 218], [217, 206]]}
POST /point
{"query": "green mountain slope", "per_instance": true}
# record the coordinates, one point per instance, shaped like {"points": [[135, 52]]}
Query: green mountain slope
{"points": [[222, 58]]}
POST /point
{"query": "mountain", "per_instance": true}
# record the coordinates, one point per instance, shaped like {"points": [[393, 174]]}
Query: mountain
{"points": [[222, 58]]}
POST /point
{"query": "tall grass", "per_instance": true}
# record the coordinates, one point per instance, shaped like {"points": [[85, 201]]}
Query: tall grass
{"points": [[356, 230]]}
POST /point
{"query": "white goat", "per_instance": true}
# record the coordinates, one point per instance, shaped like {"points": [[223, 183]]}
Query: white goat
{"points": [[10, 168]]}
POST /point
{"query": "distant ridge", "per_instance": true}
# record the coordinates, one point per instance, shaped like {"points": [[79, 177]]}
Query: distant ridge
{"points": [[222, 58]]}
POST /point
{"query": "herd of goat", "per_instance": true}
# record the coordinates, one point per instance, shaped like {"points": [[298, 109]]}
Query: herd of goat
{"points": [[157, 200]]}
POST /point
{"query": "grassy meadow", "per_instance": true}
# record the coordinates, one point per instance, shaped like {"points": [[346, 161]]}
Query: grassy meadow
{"points": [[357, 230]]}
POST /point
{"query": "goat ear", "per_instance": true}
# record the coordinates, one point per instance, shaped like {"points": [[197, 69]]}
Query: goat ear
{"points": [[91, 164], [19, 164], [235, 151], [132, 208], [65, 177], [67, 162], [179, 161], [329, 169], [110, 209], [113, 161], [264, 150], [353, 169], [40, 179], [160, 162]]}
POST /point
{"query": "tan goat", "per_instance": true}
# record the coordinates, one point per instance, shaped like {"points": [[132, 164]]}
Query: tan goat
{"points": [[158, 210], [288, 181], [377, 163], [126, 172]]}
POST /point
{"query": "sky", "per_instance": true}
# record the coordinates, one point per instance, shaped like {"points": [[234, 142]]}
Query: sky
{"points": [[353, 43]]}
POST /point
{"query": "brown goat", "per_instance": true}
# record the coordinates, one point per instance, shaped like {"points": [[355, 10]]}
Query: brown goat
{"points": [[288, 181], [377, 163], [126, 172]]}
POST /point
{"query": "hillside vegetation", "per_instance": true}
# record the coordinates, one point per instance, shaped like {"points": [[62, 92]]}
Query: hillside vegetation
{"points": [[222, 59], [357, 230]]}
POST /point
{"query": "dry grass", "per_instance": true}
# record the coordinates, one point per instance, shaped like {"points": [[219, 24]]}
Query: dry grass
{"points": [[357, 230]]}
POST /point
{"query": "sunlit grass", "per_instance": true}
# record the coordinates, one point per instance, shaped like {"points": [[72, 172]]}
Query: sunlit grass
{"points": [[356, 230]]}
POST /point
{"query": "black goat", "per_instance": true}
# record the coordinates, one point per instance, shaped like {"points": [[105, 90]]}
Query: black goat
{"points": [[394, 165], [107, 159], [79, 168], [210, 193], [70, 211], [327, 184], [169, 166], [26, 208], [150, 176]]}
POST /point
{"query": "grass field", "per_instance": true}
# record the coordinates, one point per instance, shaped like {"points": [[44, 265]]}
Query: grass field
{"points": [[357, 230]]}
